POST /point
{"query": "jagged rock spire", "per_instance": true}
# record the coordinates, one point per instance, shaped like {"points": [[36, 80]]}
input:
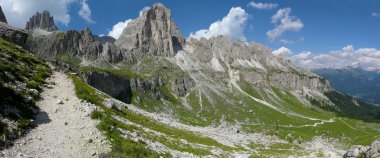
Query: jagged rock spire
{"points": [[154, 32], [2, 16], [42, 21]]}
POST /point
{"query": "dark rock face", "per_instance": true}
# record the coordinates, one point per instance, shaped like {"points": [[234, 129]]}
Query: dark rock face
{"points": [[43, 21], [123, 88], [182, 86], [2, 16], [115, 86], [13, 35], [153, 32]]}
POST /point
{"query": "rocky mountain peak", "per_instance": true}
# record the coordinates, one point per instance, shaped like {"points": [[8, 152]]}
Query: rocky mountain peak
{"points": [[2, 16], [87, 35], [42, 21], [154, 32]]}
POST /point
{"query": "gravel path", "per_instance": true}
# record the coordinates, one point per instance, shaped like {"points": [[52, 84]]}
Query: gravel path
{"points": [[64, 128]]}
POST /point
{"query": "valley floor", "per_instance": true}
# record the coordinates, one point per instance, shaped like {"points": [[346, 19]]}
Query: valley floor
{"points": [[64, 128]]}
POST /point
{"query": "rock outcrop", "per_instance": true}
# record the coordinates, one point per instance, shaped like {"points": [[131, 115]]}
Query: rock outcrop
{"points": [[2, 16], [154, 32], [182, 86], [364, 151], [12, 34], [41, 21]]}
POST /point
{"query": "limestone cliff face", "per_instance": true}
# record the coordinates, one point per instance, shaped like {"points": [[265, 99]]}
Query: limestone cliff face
{"points": [[79, 44], [253, 63], [41, 21], [153, 32], [2, 16]]}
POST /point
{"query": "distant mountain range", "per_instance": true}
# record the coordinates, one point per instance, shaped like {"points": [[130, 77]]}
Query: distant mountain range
{"points": [[354, 81]]}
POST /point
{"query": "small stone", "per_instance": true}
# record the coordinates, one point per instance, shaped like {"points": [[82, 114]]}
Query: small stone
{"points": [[93, 153], [66, 123], [90, 141], [60, 102]]}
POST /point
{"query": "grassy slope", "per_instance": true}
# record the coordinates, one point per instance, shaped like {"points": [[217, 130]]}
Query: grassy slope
{"points": [[17, 65], [129, 147], [209, 107]]}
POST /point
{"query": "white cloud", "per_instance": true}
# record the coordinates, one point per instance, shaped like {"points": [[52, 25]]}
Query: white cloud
{"points": [[143, 10], [19, 11], [282, 52], [285, 41], [118, 28], [262, 5], [284, 22], [85, 12], [374, 14], [367, 58], [232, 25]]}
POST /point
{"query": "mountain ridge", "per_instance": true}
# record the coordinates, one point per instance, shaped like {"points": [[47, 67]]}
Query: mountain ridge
{"points": [[363, 84]]}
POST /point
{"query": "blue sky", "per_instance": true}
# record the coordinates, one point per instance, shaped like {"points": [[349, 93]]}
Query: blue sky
{"points": [[327, 25]]}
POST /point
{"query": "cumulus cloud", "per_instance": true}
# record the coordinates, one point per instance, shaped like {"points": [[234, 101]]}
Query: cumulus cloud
{"points": [[19, 11], [262, 5], [284, 22], [118, 28], [85, 12], [232, 25], [282, 52], [367, 58], [374, 14]]}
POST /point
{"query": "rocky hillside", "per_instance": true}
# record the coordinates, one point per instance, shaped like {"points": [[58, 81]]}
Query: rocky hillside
{"points": [[21, 78], [209, 97]]}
